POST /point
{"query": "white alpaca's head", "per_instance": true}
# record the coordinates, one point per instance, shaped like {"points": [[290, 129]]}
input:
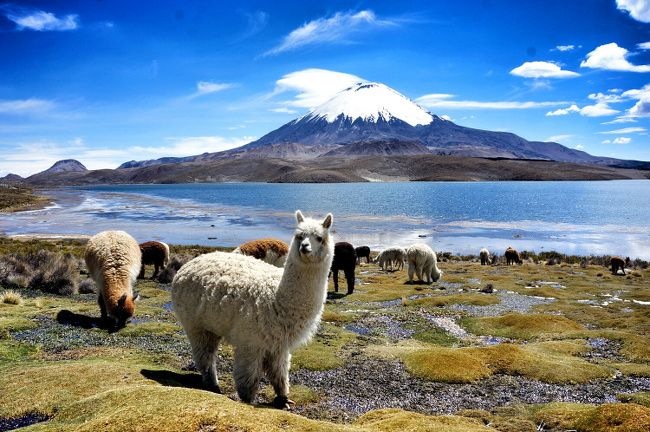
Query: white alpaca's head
{"points": [[312, 241]]}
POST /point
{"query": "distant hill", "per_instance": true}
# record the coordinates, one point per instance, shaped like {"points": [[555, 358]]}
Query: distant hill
{"points": [[11, 177], [66, 165]]}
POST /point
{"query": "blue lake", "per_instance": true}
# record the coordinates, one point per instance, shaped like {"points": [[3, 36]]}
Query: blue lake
{"points": [[573, 217]]}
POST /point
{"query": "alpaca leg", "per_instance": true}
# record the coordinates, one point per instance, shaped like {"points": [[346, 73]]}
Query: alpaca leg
{"points": [[102, 306], [411, 269], [156, 269], [349, 277], [276, 366], [336, 279], [247, 370], [418, 272], [141, 275], [204, 352]]}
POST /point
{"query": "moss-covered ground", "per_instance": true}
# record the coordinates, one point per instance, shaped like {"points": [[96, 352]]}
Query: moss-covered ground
{"points": [[561, 327]]}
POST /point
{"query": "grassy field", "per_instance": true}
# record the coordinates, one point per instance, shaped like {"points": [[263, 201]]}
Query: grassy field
{"points": [[18, 198], [554, 347]]}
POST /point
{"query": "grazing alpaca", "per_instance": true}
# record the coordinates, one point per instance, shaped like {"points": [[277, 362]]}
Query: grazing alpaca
{"points": [[263, 311], [156, 253], [485, 256], [512, 256], [393, 257], [345, 258], [363, 252], [114, 259], [269, 250], [618, 263], [422, 260]]}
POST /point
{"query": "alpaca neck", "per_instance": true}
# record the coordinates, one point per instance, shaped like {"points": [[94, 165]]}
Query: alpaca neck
{"points": [[302, 290]]}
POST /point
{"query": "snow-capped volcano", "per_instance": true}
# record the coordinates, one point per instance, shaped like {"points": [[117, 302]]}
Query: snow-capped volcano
{"points": [[371, 102]]}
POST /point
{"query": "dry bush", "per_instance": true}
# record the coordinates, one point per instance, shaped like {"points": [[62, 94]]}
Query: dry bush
{"points": [[42, 270], [11, 297]]}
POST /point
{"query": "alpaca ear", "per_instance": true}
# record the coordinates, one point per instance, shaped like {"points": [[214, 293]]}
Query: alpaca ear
{"points": [[328, 221], [136, 296], [299, 217]]}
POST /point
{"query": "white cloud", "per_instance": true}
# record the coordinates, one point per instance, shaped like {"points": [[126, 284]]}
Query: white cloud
{"points": [[328, 30], [624, 131], [32, 157], [564, 48], [441, 100], [643, 45], [313, 86], [283, 110], [25, 106], [621, 119], [606, 142], [542, 69], [597, 110], [611, 57], [611, 97], [579, 147], [622, 140], [205, 87], [559, 138], [40, 20], [563, 111], [638, 9]]}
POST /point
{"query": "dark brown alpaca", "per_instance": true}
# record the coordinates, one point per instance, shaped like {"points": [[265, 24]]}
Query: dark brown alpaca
{"points": [[618, 263], [345, 258], [154, 253], [512, 256], [363, 252]]}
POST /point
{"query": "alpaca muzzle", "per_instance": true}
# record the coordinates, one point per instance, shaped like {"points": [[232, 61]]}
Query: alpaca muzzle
{"points": [[305, 247]]}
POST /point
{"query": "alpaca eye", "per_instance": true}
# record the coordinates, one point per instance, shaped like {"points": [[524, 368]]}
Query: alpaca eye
{"points": [[320, 239], [299, 237]]}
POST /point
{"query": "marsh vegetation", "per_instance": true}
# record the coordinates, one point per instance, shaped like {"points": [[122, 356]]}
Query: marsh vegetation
{"points": [[552, 347]]}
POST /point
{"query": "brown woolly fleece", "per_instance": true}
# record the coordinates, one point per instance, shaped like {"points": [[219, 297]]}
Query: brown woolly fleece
{"points": [[259, 248]]}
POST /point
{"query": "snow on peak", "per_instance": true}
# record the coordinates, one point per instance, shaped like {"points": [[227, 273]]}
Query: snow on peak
{"points": [[371, 101]]}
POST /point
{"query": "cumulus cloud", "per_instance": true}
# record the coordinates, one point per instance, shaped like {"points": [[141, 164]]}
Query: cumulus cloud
{"points": [[38, 20], [611, 57], [542, 69], [563, 111], [599, 109], [441, 100], [638, 9], [336, 28], [643, 45], [312, 86]]}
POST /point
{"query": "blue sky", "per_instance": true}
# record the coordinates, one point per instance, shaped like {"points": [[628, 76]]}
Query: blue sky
{"points": [[109, 81]]}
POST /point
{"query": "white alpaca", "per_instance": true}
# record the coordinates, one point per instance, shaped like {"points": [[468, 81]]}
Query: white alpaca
{"points": [[422, 260], [393, 257], [113, 259], [265, 312], [485, 256]]}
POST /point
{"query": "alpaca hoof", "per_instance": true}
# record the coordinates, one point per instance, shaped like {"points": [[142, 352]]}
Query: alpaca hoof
{"points": [[282, 402]]}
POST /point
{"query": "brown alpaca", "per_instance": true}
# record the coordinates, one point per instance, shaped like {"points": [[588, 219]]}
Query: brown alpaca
{"points": [[512, 256], [154, 253], [113, 259], [618, 263], [272, 251]]}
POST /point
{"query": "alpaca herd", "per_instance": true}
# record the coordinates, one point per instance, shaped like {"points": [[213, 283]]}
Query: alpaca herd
{"points": [[265, 298]]}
